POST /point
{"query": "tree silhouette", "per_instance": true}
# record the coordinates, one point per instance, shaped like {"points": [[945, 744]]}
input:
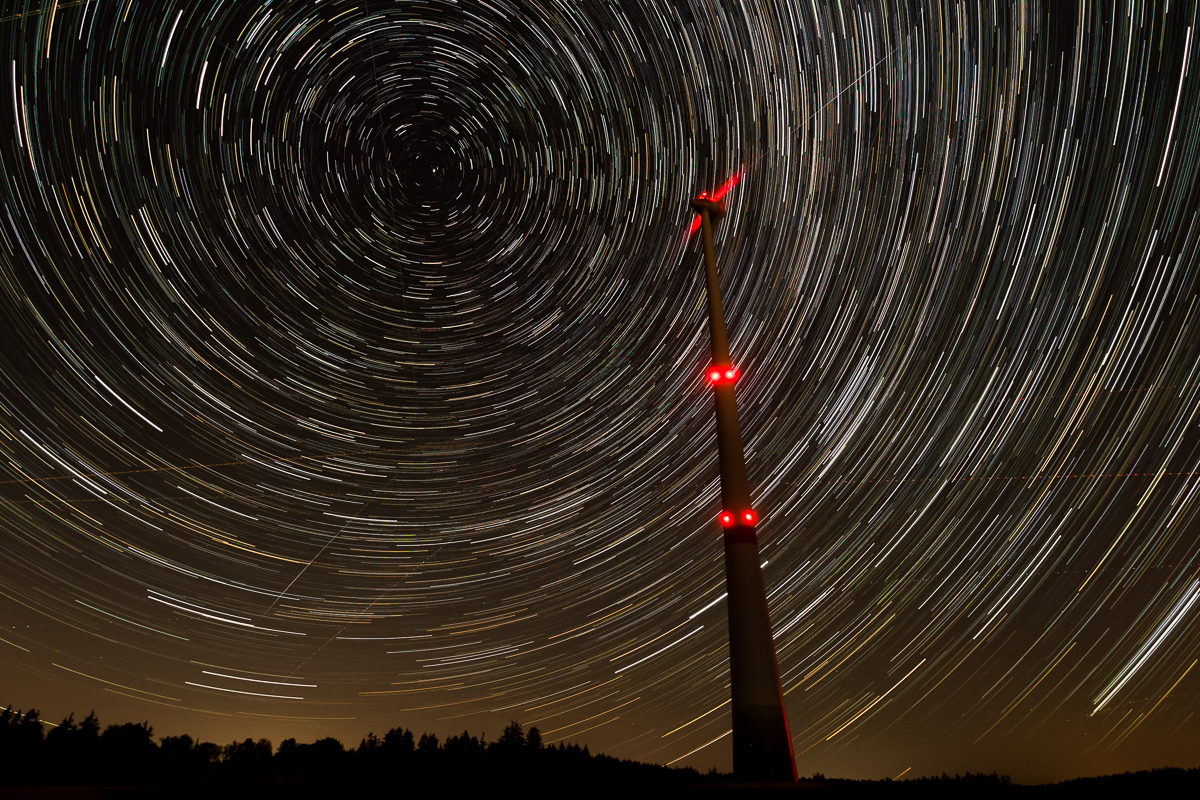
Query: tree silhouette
{"points": [[128, 750], [465, 748], [21, 739], [248, 755], [72, 749], [126, 754], [398, 743], [512, 739], [428, 746], [177, 754]]}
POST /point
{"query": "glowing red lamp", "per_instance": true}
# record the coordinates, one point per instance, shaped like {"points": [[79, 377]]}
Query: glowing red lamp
{"points": [[727, 374], [748, 517]]}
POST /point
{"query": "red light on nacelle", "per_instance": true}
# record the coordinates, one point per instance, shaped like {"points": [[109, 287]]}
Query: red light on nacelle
{"points": [[726, 519], [716, 196], [749, 517]]}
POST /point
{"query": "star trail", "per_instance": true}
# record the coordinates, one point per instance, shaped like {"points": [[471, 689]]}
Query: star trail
{"points": [[354, 372]]}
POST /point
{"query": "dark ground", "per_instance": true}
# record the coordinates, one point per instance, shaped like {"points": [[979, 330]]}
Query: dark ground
{"points": [[1168, 783]]}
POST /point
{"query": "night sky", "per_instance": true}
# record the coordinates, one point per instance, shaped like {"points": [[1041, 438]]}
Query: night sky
{"points": [[352, 372]]}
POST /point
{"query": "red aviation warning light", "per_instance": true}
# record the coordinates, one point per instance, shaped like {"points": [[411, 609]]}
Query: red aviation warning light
{"points": [[716, 198], [726, 374], [747, 517]]}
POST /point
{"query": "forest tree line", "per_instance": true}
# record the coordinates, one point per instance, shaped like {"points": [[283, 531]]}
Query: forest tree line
{"points": [[81, 752]]}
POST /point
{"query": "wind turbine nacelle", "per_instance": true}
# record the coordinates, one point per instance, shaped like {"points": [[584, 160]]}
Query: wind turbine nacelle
{"points": [[715, 208]]}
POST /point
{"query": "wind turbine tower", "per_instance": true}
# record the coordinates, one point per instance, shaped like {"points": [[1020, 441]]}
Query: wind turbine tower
{"points": [[762, 745]]}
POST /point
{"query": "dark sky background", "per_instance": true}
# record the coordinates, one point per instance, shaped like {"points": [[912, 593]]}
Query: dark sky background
{"points": [[353, 353]]}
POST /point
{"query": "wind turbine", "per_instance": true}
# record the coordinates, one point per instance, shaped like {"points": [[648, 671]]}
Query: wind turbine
{"points": [[762, 744]]}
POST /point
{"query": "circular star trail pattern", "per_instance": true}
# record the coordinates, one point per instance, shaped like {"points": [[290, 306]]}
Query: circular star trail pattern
{"points": [[354, 356]]}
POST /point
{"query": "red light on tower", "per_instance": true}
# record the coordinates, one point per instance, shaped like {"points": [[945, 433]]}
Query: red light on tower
{"points": [[727, 374], [748, 517]]}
